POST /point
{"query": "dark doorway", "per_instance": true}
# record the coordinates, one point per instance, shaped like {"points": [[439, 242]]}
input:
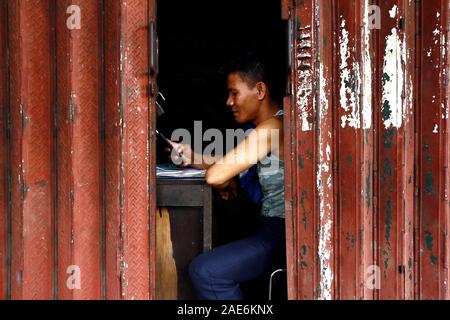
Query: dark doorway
{"points": [[196, 40]]}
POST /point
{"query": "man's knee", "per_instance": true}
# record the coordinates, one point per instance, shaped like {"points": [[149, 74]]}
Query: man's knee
{"points": [[198, 269]]}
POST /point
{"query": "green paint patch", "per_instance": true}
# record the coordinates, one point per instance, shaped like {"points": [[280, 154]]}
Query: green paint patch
{"points": [[304, 249], [350, 238], [428, 159], [386, 111], [389, 136], [385, 78], [429, 244], [302, 203], [387, 167], [349, 159], [300, 162], [388, 172], [429, 182], [433, 259], [297, 23], [429, 240], [388, 219]]}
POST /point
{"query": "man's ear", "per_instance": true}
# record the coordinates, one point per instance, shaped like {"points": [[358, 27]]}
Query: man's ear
{"points": [[262, 90]]}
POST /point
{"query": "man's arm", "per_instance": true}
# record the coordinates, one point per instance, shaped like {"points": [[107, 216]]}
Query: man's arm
{"points": [[246, 154]]}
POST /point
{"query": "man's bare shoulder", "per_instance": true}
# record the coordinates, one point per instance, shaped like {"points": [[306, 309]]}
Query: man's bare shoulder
{"points": [[271, 123]]}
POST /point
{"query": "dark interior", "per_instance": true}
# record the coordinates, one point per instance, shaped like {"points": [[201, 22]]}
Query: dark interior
{"points": [[196, 40]]}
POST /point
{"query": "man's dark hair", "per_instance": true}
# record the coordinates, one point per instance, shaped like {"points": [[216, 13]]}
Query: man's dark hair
{"points": [[254, 68]]}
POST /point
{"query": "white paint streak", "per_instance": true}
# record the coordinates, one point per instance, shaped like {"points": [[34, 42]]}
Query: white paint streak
{"points": [[304, 94], [394, 58], [367, 72], [325, 259], [445, 112], [304, 81], [436, 127], [349, 82], [324, 188]]}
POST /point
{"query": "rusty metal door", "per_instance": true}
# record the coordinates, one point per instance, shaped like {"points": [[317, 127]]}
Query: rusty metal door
{"points": [[367, 162], [77, 157]]}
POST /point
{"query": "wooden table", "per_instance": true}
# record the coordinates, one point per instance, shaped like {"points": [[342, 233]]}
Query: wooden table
{"points": [[184, 230]]}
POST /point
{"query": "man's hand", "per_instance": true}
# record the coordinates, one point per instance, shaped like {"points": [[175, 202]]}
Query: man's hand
{"points": [[181, 154]]}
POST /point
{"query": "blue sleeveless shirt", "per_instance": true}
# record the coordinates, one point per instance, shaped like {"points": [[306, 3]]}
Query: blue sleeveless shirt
{"points": [[271, 178]]}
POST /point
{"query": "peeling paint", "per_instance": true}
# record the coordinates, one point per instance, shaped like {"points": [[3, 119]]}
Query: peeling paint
{"points": [[429, 244], [393, 11], [436, 127], [388, 219], [445, 113], [324, 190], [389, 136], [304, 90], [394, 58], [302, 202], [300, 162], [429, 182], [367, 72]]}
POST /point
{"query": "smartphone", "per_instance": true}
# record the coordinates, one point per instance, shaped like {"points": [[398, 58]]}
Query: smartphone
{"points": [[166, 141]]}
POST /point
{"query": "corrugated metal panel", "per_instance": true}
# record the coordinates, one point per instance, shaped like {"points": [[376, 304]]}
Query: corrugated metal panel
{"points": [[3, 154], [394, 156], [353, 148], [367, 166], [78, 150], [130, 193], [432, 152], [31, 149], [367, 184], [80, 117]]}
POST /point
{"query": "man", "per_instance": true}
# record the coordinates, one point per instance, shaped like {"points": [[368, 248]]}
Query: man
{"points": [[253, 98]]}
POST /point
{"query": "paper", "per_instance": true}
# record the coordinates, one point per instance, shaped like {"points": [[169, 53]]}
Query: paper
{"points": [[172, 171]]}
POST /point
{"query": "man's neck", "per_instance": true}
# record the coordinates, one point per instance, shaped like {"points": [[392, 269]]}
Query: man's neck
{"points": [[267, 111]]}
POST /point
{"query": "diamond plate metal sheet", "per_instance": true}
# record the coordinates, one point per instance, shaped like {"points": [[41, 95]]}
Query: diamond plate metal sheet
{"points": [[31, 150], [79, 151]]}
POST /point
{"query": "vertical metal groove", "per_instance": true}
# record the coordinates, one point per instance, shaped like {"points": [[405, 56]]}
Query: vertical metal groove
{"points": [[102, 107], [54, 73]]}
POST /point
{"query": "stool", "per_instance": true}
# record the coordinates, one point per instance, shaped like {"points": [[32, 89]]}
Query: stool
{"points": [[271, 281]]}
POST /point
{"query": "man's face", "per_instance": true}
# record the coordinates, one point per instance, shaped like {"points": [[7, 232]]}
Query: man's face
{"points": [[242, 99]]}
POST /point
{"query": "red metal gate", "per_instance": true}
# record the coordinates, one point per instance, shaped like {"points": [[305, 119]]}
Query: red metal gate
{"points": [[74, 213], [367, 168], [368, 181]]}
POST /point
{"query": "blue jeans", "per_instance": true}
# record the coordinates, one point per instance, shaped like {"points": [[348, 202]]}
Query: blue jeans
{"points": [[217, 274]]}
